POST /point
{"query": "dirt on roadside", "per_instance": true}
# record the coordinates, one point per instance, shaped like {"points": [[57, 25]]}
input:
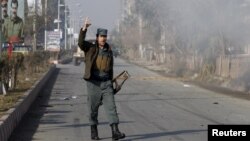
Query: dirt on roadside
{"points": [[215, 86]]}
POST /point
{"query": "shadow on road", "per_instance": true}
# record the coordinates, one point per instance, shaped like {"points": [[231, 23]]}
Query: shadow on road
{"points": [[161, 134], [80, 125], [30, 122]]}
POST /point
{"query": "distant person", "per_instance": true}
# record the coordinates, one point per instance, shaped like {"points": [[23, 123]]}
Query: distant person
{"points": [[98, 75], [13, 26]]}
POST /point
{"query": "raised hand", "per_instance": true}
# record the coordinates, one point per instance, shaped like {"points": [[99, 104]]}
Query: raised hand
{"points": [[86, 24]]}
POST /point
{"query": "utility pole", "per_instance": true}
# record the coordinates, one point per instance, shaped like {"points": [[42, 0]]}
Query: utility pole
{"points": [[46, 25], [70, 36], [58, 19], [1, 32], [2, 88], [58, 16], [65, 28], [140, 35], [74, 29], [34, 26]]}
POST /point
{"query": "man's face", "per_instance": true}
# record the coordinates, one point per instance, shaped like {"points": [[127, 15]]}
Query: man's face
{"points": [[4, 8], [14, 9], [101, 39]]}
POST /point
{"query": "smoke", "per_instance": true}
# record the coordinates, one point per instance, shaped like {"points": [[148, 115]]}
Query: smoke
{"points": [[196, 32], [211, 28], [203, 24]]}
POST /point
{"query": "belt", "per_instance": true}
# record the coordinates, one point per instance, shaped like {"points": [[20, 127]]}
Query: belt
{"points": [[100, 78]]}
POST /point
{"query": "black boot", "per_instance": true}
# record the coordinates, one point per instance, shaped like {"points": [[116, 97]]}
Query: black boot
{"points": [[116, 134], [94, 132]]}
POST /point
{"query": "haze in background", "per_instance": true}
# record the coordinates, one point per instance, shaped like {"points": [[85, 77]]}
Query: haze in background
{"points": [[102, 13]]}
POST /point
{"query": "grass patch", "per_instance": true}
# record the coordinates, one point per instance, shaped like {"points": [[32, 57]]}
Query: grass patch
{"points": [[8, 101]]}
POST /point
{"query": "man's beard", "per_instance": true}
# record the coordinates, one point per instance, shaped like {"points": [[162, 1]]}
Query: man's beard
{"points": [[14, 15], [5, 15], [102, 43]]}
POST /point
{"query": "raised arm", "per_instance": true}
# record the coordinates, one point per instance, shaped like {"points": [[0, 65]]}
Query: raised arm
{"points": [[84, 45]]}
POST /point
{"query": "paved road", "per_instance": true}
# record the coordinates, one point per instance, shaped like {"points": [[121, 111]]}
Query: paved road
{"points": [[151, 108]]}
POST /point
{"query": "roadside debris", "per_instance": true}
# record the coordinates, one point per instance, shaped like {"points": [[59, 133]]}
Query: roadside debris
{"points": [[216, 103], [68, 98], [65, 98], [186, 86]]}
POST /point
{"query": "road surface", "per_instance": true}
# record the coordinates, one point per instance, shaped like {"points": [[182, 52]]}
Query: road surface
{"points": [[151, 108]]}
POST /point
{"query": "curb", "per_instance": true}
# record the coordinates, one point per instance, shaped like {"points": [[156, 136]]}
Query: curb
{"points": [[13, 116], [222, 90], [208, 86], [65, 61]]}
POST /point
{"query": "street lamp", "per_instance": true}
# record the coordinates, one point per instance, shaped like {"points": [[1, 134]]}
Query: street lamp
{"points": [[46, 25], [65, 28], [58, 16], [58, 20], [71, 33], [34, 26]]}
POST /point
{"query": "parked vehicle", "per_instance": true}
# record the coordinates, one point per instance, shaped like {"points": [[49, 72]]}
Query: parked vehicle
{"points": [[116, 51], [78, 56]]}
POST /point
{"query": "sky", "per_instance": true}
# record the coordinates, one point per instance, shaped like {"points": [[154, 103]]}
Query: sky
{"points": [[102, 13]]}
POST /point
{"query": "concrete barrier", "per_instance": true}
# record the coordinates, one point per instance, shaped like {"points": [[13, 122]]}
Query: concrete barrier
{"points": [[13, 116]]}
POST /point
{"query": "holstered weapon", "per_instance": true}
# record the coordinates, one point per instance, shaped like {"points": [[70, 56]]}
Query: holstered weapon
{"points": [[118, 84]]}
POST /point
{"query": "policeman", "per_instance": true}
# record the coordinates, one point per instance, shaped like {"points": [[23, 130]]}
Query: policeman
{"points": [[98, 75]]}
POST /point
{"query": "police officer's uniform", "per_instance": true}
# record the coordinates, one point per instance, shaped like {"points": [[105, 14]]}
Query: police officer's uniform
{"points": [[100, 88], [98, 75]]}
